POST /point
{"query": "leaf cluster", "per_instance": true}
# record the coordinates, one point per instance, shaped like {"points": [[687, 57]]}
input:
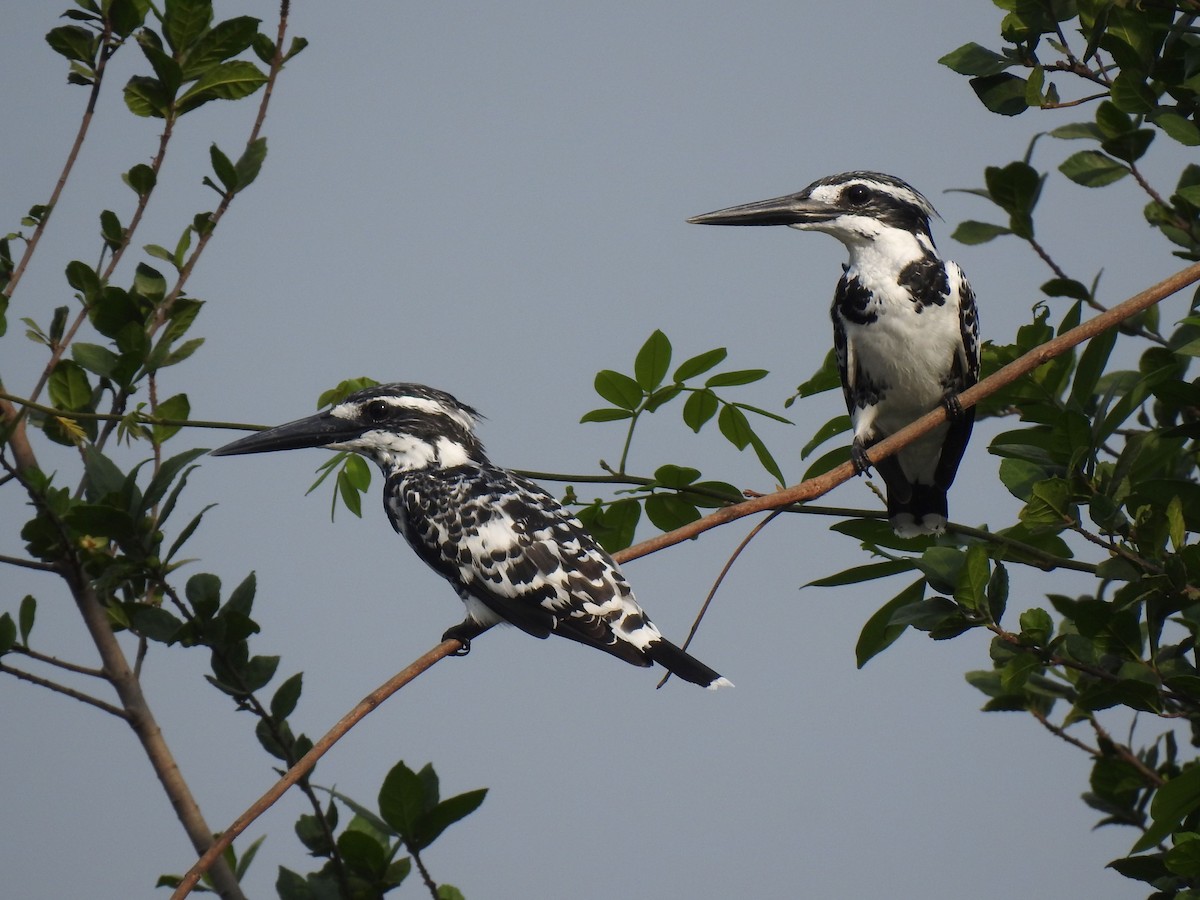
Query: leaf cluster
{"points": [[676, 494], [411, 815], [1140, 64]]}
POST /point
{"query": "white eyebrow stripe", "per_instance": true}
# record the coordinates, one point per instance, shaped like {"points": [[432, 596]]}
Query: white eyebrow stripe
{"points": [[420, 404]]}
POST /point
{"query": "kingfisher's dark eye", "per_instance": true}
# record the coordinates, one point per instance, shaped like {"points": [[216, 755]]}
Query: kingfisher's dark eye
{"points": [[375, 411], [858, 194]]}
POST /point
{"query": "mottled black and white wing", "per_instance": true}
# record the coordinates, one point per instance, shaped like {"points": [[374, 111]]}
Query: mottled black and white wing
{"points": [[514, 554]]}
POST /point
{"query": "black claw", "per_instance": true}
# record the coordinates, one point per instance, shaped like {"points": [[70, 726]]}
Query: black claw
{"points": [[462, 632], [858, 457], [953, 408]]}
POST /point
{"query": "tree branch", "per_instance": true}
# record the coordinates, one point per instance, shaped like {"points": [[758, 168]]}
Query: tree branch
{"points": [[823, 484], [304, 766], [107, 49], [65, 691]]}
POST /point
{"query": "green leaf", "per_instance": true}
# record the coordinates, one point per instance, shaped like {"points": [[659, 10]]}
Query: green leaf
{"points": [[652, 362], [149, 283], [1131, 94], [223, 168], [152, 622], [75, 43], [700, 364], [184, 21], [69, 387], [879, 633], [176, 407], [827, 461], [663, 396], [735, 426], [765, 459], [147, 97], [736, 377], [824, 379], [673, 476], [619, 390], [84, 279], [1176, 525], [96, 359], [221, 42], [26, 616], [613, 526], [141, 178], [972, 232], [226, 81], [670, 511], [8, 633], [1178, 128], [942, 567], [1019, 476], [402, 801], [166, 474], [867, 572], [283, 702], [203, 592], [971, 588], [1092, 363], [699, 408], [973, 59], [835, 426], [1036, 626], [606, 414], [1002, 93], [362, 853], [1091, 168], [249, 164], [1176, 799], [445, 814]]}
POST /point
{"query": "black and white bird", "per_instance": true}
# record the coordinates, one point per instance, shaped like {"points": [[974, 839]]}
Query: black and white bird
{"points": [[512, 552], [905, 329]]}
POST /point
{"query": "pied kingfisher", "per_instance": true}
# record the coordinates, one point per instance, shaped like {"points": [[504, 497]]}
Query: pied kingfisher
{"points": [[510, 549], [905, 329]]}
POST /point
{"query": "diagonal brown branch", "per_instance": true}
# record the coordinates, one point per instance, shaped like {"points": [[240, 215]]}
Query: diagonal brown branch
{"points": [[302, 768], [823, 484]]}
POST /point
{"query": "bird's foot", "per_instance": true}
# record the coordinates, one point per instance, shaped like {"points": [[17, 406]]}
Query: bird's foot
{"points": [[463, 632], [859, 458], [954, 410]]}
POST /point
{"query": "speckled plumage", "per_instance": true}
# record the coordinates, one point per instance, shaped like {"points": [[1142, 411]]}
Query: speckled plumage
{"points": [[511, 551], [905, 327]]}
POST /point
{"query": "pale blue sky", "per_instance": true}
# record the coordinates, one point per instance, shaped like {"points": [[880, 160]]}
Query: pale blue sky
{"points": [[491, 198]]}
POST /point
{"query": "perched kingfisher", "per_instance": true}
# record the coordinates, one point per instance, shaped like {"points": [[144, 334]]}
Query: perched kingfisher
{"points": [[905, 330], [510, 549]]}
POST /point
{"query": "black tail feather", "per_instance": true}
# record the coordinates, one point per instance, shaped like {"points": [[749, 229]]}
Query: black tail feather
{"points": [[685, 666]]}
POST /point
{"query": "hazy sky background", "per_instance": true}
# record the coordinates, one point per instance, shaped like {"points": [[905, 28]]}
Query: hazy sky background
{"points": [[490, 198]]}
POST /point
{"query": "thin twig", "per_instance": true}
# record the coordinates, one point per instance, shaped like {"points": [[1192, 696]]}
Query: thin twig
{"points": [[59, 663], [107, 49], [712, 592], [306, 762], [65, 691], [1059, 732], [1148, 775]]}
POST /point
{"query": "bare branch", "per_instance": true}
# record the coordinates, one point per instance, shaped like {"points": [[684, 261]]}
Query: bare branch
{"points": [[65, 691]]}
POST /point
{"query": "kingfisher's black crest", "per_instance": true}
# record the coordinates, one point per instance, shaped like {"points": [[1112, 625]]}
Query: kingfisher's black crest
{"points": [[905, 328], [512, 552]]}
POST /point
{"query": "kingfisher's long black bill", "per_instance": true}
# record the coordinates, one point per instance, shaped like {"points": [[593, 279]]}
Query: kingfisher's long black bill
{"points": [[794, 209], [320, 430]]}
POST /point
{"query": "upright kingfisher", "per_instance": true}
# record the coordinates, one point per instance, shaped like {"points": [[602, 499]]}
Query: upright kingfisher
{"points": [[509, 548], [905, 330]]}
